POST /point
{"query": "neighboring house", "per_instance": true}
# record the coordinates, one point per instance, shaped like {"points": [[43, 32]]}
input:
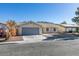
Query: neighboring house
{"points": [[70, 28]]}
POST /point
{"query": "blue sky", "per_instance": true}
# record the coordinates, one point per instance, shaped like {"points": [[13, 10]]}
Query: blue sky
{"points": [[52, 12]]}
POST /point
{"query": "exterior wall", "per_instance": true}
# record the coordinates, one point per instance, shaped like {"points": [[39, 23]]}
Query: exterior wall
{"points": [[51, 29], [71, 29], [60, 28], [42, 28], [19, 30], [48, 26], [29, 25], [63, 29]]}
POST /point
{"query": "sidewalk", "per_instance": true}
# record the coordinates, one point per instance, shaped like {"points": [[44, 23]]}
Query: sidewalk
{"points": [[24, 39], [13, 40]]}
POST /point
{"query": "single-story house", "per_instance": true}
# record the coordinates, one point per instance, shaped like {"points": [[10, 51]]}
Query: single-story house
{"points": [[70, 28], [29, 28], [32, 28], [36, 28], [48, 27]]}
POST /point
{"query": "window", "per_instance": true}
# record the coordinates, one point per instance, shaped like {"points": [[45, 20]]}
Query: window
{"points": [[54, 29], [47, 29]]}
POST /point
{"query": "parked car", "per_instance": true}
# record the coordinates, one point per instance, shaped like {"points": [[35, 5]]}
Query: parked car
{"points": [[3, 35], [3, 32]]}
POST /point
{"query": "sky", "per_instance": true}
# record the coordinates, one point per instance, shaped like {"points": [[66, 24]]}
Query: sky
{"points": [[50, 12]]}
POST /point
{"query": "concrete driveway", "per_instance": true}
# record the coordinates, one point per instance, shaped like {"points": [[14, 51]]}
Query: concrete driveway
{"points": [[34, 38]]}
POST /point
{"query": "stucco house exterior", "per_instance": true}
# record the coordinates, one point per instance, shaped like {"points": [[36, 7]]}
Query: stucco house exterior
{"points": [[37, 28], [29, 28], [48, 27], [70, 28]]}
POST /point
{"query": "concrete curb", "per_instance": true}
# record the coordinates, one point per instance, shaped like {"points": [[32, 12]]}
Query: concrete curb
{"points": [[14, 42], [26, 39], [18, 42]]}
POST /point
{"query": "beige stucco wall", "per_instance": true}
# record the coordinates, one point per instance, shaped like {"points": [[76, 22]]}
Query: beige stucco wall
{"points": [[29, 25], [51, 29], [49, 26], [60, 28], [42, 28]]}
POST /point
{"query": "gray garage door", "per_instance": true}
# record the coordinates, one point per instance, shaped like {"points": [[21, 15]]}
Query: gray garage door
{"points": [[30, 31]]}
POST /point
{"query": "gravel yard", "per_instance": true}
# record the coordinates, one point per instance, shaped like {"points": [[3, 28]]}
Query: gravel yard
{"points": [[16, 38]]}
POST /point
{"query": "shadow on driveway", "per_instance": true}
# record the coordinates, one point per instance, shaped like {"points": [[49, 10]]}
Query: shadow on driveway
{"points": [[64, 36]]}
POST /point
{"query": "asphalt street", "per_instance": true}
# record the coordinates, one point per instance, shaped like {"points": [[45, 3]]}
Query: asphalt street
{"points": [[45, 48]]}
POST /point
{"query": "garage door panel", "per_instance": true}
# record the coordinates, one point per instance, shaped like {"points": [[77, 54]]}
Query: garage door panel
{"points": [[30, 31]]}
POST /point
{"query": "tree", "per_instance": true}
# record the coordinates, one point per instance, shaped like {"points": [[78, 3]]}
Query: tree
{"points": [[11, 23], [12, 27], [76, 18], [64, 22]]}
